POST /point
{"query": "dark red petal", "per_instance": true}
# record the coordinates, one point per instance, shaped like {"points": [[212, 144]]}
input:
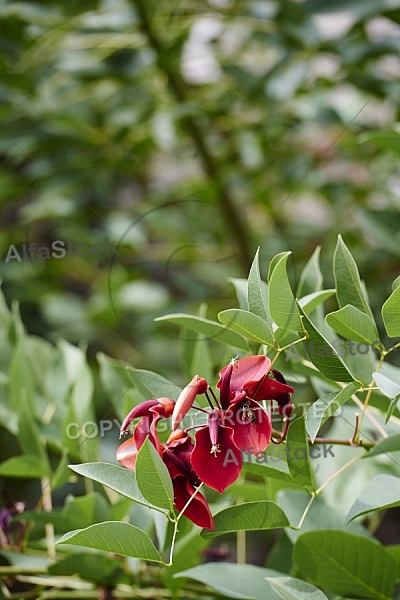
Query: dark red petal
{"points": [[269, 389], [198, 510], [127, 453], [246, 372], [224, 385], [140, 410], [248, 435], [218, 467]]}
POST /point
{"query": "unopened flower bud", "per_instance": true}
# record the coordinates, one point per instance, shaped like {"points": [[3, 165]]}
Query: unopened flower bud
{"points": [[198, 385]]}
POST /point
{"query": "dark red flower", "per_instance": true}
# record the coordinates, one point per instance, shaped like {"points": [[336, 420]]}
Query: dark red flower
{"points": [[150, 411], [254, 376], [176, 454], [223, 467]]}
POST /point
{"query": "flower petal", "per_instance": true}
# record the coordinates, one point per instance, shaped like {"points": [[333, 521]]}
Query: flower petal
{"points": [[127, 453], [269, 389], [246, 372], [217, 466], [140, 410], [198, 510], [253, 428]]}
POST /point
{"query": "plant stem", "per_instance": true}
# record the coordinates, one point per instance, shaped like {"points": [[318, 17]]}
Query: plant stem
{"points": [[48, 505], [307, 508], [368, 396], [341, 470], [178, 86], [176, 522]]}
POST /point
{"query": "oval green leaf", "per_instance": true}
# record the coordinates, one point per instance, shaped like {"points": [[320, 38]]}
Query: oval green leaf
{"points": [[118, 538], [250, 516], [247, 324], [152, 477], [347, 564]]}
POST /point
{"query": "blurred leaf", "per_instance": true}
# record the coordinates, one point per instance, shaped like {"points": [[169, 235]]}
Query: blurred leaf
{"points": [[383, 491], [211, 329], [386, 139], [241, 292], [25, 466], [85, 510], [389, 444]]}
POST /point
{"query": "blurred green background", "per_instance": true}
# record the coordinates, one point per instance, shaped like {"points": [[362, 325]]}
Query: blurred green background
{"points": [[189, 133], [186, 133]]}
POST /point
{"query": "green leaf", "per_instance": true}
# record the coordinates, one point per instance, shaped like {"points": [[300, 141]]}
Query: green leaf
{"points": [[25, 466], [346, 564], [248, 325], [94, 567], [29, 437], [152, 477], [353, 324], [282, 304], [391, 314], [348, 284], [238, 581], [152, 385], [85, 510], [396, 283], [211, 329], [387, 139], [311, 279], [240, 286], [389, 388], [390, 444], [255, 296], [383, 491], [323, 356], [118, 538], [119, 479], [299, 458], [277, 470], [249, 516], [289, 588], [310, 302], [326, 406]]}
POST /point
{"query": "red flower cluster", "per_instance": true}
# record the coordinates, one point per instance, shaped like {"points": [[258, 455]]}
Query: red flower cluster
{"points": [[236, 423]]}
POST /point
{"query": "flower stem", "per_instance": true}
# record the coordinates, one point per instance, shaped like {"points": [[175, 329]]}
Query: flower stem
{"points": [[341, 470], [368, 396], [307, 508], [176, 523]]}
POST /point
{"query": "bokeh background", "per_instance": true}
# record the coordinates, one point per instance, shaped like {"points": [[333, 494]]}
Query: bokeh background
{"points": [[190, 133], [187, 133]]}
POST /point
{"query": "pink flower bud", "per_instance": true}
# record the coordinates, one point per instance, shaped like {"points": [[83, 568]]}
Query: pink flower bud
{"points": [[198, 385]]}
